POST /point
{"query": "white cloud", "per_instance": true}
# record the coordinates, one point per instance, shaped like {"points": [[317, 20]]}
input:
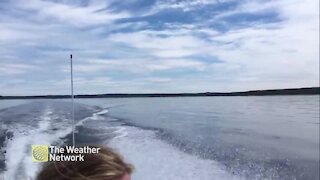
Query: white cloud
{"points": [[289, 50], [173, 46], [14, 69], [72, 14], [137, 66], [185, 5]]}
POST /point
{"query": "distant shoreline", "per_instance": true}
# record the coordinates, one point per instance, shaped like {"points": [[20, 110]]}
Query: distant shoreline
{"points": [[272, 92]]}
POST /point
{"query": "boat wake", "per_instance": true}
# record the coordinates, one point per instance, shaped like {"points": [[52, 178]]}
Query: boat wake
{"points": [[49, 123]]}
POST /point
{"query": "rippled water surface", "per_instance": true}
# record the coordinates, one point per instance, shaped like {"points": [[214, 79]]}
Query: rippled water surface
{"points": [[269, 137]]}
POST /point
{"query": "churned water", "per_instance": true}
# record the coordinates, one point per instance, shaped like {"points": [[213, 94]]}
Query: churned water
{"points": [[205, 138]]}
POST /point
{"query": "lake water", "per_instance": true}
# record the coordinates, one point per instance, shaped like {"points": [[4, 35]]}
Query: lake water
{"points": [[205, 138]]}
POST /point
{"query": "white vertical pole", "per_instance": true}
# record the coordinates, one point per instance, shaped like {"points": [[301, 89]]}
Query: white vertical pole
{"points": [[72, 97]]}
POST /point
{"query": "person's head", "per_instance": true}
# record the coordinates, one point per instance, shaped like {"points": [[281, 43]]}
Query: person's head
{"points": [[105, 165]]}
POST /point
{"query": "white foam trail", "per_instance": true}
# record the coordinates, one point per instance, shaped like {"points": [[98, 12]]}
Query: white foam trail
{"points": [[105, 111], [95, 116], [155, 159], [121, 133], [120, 130], [18, 157]]}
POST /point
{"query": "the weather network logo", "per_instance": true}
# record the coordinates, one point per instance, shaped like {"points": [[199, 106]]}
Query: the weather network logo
{"points": [[40, 153]]}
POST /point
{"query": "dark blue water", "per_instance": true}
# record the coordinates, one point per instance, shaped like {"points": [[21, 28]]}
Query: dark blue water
{"points": [[271, 137]]}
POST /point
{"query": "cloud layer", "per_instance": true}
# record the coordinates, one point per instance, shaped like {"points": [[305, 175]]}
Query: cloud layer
{"points": [[149, 46]]}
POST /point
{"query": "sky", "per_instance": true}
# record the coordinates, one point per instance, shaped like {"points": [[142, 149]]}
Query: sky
{"points": [[157, 46]]}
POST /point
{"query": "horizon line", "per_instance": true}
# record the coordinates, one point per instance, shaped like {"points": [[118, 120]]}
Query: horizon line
{"points": [[314, 88]]}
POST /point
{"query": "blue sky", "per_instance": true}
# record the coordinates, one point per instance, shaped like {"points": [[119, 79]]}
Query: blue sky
{"points": [[157, 46]]}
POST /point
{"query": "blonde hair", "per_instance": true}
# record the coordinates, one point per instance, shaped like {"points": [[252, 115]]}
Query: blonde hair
{"points": [[105, 165]]}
